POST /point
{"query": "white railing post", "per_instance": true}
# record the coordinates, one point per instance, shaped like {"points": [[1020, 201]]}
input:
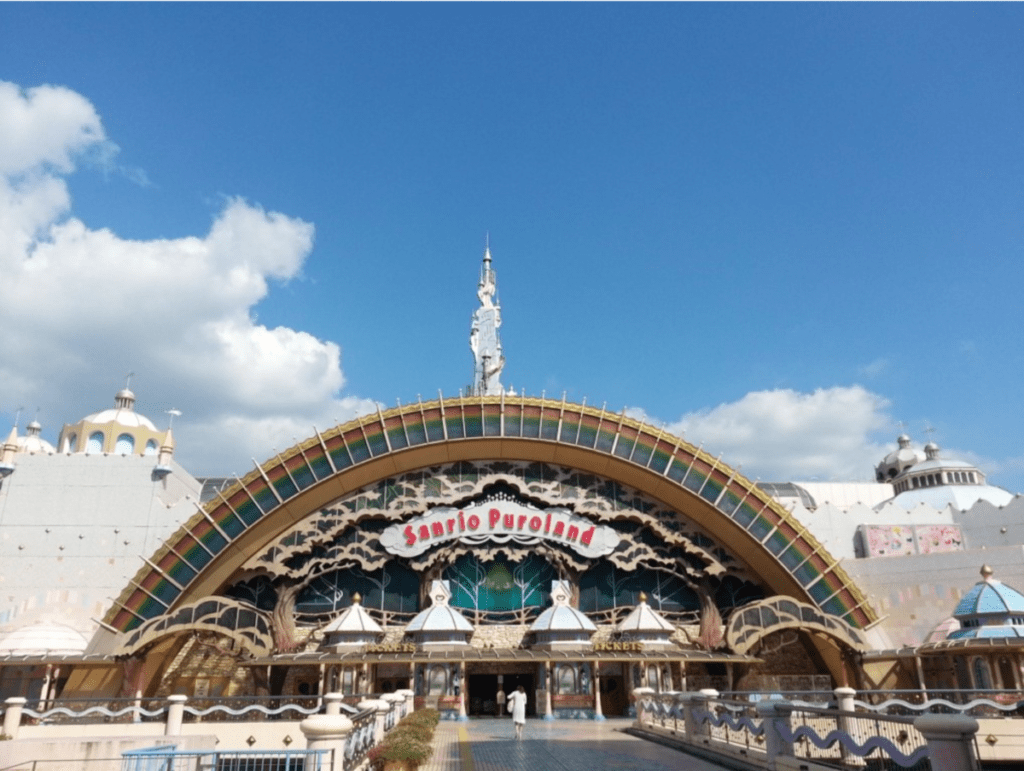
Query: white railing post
{"points": [[774, 716], [380, 713], [328, 732], [691, 727], [394, 702], [848, 725], [175, 714], [332, 703], [410, 700], [950, 741], [12, 717], [704, 699], [638, 697]]}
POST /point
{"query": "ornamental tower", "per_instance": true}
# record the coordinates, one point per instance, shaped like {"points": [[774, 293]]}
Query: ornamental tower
{"points": [[483, 336]]}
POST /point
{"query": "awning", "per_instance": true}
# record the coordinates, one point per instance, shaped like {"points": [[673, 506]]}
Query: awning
{"points": [[497, 655]]}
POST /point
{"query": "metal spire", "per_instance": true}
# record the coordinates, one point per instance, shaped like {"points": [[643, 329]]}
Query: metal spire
{"points": [[483, 337]]}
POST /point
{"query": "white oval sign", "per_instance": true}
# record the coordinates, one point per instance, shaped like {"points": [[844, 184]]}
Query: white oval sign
{"points": [[499, 521]]}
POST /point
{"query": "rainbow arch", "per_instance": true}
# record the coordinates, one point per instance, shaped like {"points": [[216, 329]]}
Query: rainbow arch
{"points": [[201, 555]]}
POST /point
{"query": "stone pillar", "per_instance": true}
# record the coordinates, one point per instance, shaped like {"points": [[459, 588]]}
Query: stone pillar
{"points": [[462, 691], [410, 699], [328, 732], [381, 710], [849, 725], [638, 696], [598, 713], [175, 714], [12, 716], [775, 715], [549, 684], [395, 703], [332, 703], [950, 741], [703, 700]]}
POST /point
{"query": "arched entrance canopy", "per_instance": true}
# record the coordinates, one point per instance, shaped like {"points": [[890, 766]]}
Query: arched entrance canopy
{"points": [[196, 560]]}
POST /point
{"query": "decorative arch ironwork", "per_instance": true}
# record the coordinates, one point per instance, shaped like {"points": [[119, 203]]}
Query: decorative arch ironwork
{"points": [[199, 557], [239, 621], [751, 623]]}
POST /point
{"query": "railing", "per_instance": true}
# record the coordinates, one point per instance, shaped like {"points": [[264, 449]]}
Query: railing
{"points": [[70, 711], [343, 738], [771, 730], [172, 759], [978, 703]]}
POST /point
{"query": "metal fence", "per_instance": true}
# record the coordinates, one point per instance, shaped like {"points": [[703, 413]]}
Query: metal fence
{"points": [[172, 759]]}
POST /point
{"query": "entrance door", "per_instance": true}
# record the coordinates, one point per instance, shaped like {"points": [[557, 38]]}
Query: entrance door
{"points": [[514, 681], [483, 690], [613, 691]]}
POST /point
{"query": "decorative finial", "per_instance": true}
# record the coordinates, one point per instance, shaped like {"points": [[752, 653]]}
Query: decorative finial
{"points": [[174, 414], [357, 598], [643, 596], [986, 572]]}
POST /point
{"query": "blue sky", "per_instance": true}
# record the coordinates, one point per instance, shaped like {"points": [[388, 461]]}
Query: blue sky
{"points": [[781, 228]]}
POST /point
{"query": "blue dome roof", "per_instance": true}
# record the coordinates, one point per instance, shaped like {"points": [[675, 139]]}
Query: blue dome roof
{"points": [[986, 632], [990, 596]]}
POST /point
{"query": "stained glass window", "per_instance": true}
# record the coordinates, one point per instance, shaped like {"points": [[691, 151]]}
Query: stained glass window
{"points": [[500, 585]]}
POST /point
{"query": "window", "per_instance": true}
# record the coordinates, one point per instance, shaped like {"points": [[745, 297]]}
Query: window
{"points": [[125, 444], [437, 681], [150, 447], [95, 443]]}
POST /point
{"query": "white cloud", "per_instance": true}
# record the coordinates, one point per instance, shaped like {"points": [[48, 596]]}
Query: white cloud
{"points": [[875, 368], [784, 435], [79, 307]]}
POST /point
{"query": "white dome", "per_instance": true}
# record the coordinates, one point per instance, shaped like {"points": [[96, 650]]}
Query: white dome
{"points": [[128, 418], [43, 638], [32, 442], [897, 461], [123, 413]]}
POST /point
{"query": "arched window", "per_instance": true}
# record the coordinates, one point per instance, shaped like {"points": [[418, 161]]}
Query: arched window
{"points": [[654, 677], [125, 444], [150, 447], [565, 678], [1006, 674], [95, 443], [982, 677], [69, 443], [437, 680]]}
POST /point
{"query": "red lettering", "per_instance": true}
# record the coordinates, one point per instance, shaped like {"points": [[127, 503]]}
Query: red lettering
{"points": [[573, 533], [437, 527], [424, 532], [510, 521], [473, 521], [536, 523], [585, 538], [522, 520], [462, 522], [492, 517], [547, 523], [559, 528], [451, 525], [410, 536]]}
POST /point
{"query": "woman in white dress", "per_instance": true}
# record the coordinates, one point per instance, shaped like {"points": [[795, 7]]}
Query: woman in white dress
{"points": [[517, 706]]}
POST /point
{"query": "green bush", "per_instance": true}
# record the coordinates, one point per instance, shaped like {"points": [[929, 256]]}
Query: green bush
{"points": [[408, 742], [417, 731], [401, 748]]}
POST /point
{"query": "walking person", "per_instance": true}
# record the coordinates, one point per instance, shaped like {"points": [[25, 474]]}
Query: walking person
{"points": [[517, 706]]}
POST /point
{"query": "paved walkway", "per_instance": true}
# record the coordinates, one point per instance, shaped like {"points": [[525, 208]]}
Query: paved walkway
{"points": [[558, 745]]}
